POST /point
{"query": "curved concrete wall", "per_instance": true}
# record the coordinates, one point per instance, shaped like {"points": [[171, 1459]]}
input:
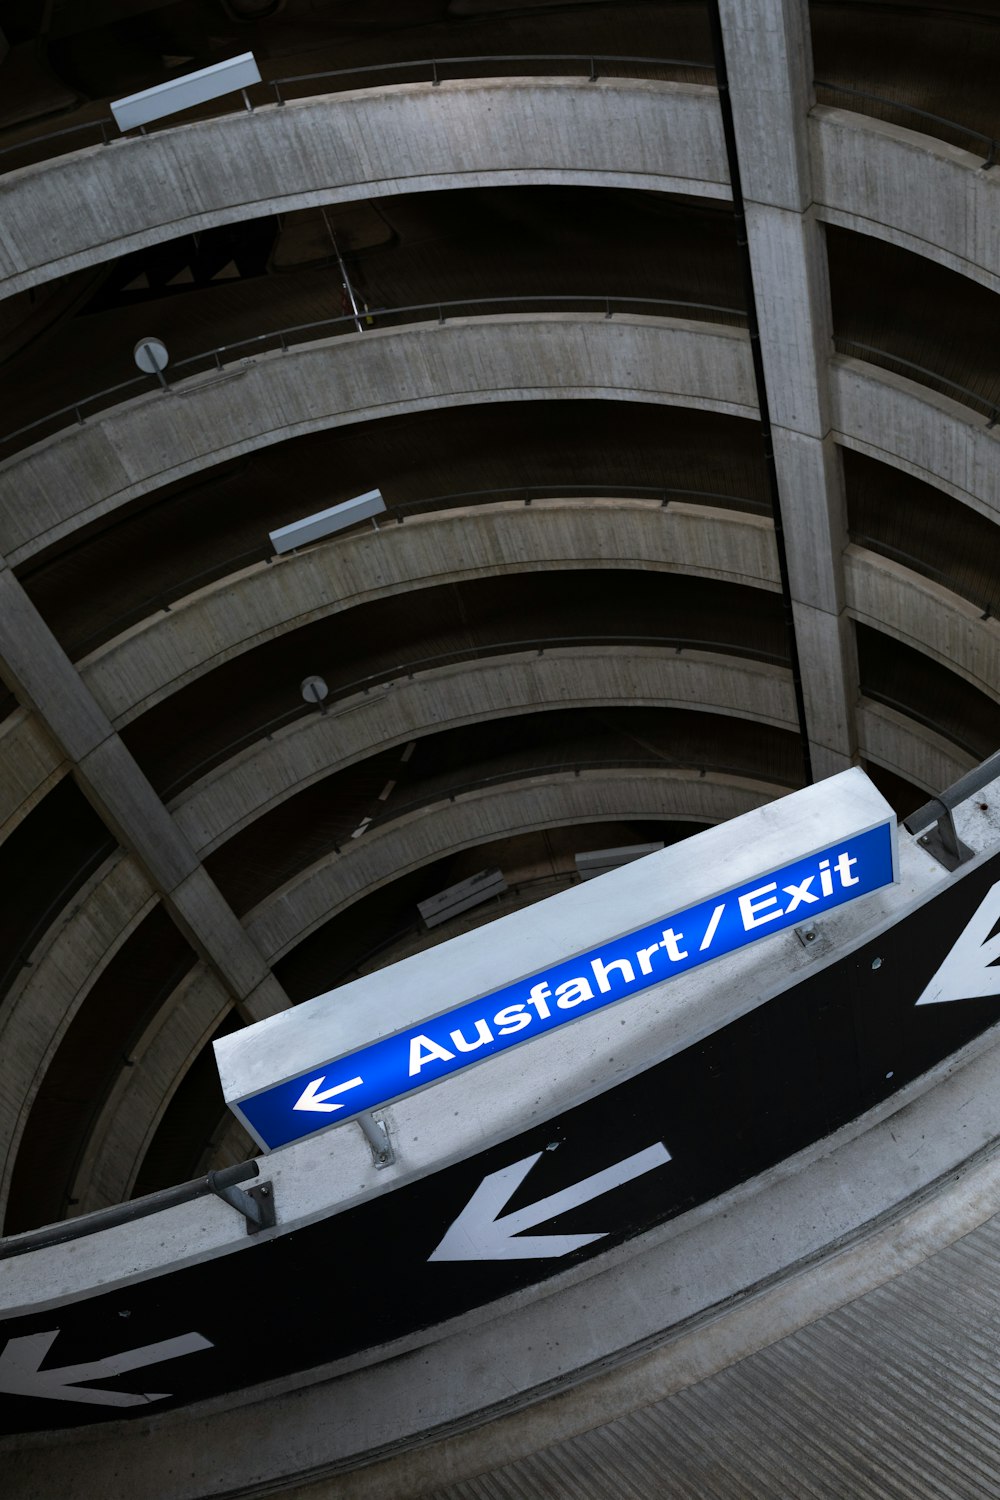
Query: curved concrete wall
{"points": [[85, 472], [30, 765], [480, 816], [220, 622], [124, 1129], [914, 429], [907, 188], [99, 203], [899, 744], [935, 620], [35, 1014], [251, 784]]}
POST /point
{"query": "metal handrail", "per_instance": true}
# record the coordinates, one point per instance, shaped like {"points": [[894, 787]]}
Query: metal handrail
{"points": [[126, 1213], [844, 345], [164, 599], [433, 65], [302, 710], [953, 796], [991, 141], [220, 354], [103, 123]]}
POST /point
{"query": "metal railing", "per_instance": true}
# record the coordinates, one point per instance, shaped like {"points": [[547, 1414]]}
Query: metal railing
{"points": [[953, 796], [220, 1183], [409, 670], [585, 65], [299, 334], [990, 142], [937, 816], [164, 599], [885, 358]]}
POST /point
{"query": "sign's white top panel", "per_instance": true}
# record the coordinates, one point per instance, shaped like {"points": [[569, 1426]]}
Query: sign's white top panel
{"points": [[475, 963], [182, 93]]}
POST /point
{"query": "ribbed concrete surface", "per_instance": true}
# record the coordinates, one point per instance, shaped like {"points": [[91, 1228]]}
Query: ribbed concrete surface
{"points": [[895, 1395]]}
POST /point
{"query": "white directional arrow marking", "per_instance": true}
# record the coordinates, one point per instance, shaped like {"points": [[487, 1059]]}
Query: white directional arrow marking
{"points": [[310, 1098], [966, 973], [20, 1374], [480, 1234]]}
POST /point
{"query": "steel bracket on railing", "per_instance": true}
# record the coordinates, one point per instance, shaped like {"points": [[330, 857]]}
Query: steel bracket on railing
{"points": [[376, 1133], [941, 838], [255, 1204], [943, 843]]}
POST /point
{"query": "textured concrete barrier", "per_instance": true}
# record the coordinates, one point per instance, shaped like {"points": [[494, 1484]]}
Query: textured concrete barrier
{"points": [[99, 203], [85, 472]]}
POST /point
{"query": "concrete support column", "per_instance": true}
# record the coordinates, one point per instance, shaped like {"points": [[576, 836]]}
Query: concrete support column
{"points": [[39, 671], [769, 62]]}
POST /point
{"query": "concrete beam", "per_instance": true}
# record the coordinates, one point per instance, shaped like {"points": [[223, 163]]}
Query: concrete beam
{"points": [[769, 61], [109, 200], [36, 668], [83, 473]]}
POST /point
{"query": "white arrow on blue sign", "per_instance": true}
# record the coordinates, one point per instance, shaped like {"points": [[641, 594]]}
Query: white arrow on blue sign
{"points": [[335, 1089]]}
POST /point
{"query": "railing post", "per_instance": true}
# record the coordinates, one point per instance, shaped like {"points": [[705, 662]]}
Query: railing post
{"points": [[434, 73], [991, 159], [593, 71], [279, 98]]}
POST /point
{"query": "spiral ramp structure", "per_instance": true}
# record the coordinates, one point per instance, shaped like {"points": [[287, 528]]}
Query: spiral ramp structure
{"points": [[663, 331]]}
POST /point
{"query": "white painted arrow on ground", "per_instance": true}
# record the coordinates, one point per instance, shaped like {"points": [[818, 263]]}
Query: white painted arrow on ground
{"points": [[20, 1374], [966, 973], [310, 1098], [480, 1234]]}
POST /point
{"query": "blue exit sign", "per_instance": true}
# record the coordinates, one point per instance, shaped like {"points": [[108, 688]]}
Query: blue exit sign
{"points": [[334, 1088]]}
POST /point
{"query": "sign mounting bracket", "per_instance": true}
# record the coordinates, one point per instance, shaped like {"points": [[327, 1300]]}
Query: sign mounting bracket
{"points": [[256, 1205], [943, 843], [376, 1133]]}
